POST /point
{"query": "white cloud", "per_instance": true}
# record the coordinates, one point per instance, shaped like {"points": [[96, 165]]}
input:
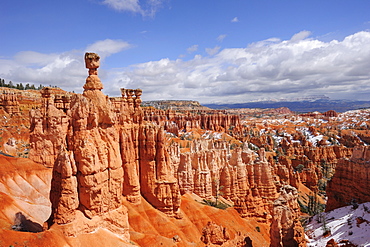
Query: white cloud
{"points": [[192, 48], [235, 19], [300, 36], [221, 37], [213, 51], [34, 58], [124, 5], [66, 70], [108, 47], [267, 69], [148, 8]]}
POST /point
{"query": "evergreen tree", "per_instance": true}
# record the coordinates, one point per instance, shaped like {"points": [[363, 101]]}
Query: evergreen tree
{"points": [[11, 85], [312, 204], [20, 86]]}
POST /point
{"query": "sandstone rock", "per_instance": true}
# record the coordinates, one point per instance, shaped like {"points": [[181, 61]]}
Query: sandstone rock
{"points": [[331, 243], [157, 182], [214, 234], [286, 229], [102, 149], [48, 133], [129, 156], [88, 178], [208, 120], [350, 181], [64, 196], [9, 101]]}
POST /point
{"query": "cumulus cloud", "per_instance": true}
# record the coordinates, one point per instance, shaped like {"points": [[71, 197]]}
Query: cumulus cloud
{"points": [[213, 51], [34, 58], [145, 8], [108, 47], [192, 48], [268, 69], [300, 36], [65, 70]]}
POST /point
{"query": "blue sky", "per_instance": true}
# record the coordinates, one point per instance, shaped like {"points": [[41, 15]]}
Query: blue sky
{"points": [[210, 51]]}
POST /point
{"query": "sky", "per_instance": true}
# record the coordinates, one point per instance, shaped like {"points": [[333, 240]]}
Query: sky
{"points": [[212, 51]]}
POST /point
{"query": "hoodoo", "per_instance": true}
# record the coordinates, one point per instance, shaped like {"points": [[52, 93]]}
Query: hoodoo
{"points": [[185, 176], [101, 152]]}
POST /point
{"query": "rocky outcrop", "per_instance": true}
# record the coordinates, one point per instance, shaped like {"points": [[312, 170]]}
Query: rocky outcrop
{"points": [[158, 184], [286, 229], [48, 130], [100, 151], [310, 163], [240, 176], [214, 234], [351, 181], [24, 189], [86, 191], [209, 120], [9, 101]]}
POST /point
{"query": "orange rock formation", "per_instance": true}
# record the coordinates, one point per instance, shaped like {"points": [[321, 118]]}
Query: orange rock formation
{"points": [[99, 154], [351, 181], [286, 229], [9, 102], [140, 173]]}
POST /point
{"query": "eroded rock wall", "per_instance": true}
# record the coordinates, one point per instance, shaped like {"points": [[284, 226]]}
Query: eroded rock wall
{"points": [[100, 151], [286, 229], [351, 181]]}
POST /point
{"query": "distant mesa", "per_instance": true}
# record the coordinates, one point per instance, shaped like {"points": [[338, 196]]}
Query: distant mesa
{"points": [[185, 105]]}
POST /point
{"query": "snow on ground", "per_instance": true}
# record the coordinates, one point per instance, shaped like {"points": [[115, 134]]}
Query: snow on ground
{"points": [[344, 223], [212, 135], [314, 139]]}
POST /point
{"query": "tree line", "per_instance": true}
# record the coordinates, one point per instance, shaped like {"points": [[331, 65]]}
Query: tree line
{"points": [[19, 86]]}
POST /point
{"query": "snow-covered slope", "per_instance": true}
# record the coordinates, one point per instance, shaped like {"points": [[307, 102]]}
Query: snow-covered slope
{"points": [[347, 223]]}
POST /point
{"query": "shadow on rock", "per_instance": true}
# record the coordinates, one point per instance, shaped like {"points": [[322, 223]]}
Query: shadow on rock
{"points": [[21, 223]]}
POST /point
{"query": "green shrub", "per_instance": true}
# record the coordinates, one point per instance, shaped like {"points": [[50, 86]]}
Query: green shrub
{"points": [[216, 204]]}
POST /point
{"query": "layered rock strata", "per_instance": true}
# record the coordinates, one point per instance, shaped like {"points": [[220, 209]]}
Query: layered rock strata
{"points": [[286, 229], [9, 102], [240, 176], [351, 180], [98, 156], [209, 120]]}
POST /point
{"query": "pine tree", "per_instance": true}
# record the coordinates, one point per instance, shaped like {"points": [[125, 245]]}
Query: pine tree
{"points": [[11, 85]]}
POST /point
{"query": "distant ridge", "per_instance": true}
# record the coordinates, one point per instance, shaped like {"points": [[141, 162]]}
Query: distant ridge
{"points": [[321, 105], [174, 104]]}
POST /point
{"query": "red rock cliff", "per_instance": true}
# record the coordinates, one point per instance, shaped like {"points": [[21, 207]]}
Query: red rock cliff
{"points": [[100, 151], [351, 181]]}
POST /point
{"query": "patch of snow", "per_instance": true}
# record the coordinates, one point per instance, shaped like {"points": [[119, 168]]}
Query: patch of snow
{"points": [[278, 139], [342, 223], [212, 135]]}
